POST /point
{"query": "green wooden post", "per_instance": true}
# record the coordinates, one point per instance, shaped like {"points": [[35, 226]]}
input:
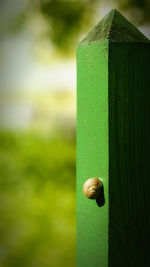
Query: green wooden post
{"points": [[113, 142]]}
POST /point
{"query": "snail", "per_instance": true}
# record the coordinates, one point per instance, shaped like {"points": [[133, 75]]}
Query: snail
{"points": [[93, 189]]}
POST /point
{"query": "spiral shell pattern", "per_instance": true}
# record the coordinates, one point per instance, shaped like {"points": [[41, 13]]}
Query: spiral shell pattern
{"points": [[91, 187]]}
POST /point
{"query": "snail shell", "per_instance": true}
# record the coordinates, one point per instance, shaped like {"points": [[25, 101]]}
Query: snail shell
{"points": [[91, 187]]}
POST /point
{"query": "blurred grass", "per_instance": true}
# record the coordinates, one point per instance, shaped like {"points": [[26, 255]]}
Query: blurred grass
{"points": [[37, 201]]}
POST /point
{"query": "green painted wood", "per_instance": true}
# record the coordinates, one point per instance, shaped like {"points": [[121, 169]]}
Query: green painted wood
{"points": [[129, 154], [113, 142], [92, 152]]}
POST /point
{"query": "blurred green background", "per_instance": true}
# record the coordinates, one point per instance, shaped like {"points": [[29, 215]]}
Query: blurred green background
{"points": [[38, 40]]}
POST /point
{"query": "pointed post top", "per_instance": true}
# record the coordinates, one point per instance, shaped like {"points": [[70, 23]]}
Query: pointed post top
{"points": [[115, 28]]}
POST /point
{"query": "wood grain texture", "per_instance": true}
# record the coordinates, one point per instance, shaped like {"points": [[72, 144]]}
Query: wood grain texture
{"points": [[129, 154], [115, 28], [113, 142]]}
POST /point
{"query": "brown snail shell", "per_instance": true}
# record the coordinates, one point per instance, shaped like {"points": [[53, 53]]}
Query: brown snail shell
{"points": [[91, 187]]}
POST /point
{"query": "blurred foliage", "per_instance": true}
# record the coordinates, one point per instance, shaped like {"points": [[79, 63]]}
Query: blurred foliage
{"points": [[37, 201], [143, 4], [137, 8], [67, 20]]}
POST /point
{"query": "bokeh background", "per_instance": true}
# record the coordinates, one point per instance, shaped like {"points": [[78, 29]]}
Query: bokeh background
{"points": [[38, 40]]}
